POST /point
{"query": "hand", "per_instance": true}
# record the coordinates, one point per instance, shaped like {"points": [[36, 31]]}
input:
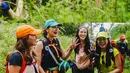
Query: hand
{"points": [[4, 6], [74, 43], [92, 62]]}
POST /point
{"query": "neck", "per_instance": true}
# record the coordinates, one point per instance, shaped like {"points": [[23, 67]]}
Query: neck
{"points": [[82, 43], [103, 49], [50, 38]]}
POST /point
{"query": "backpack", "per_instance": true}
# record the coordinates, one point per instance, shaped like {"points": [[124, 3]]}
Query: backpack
{"points": [[63, 65], [7, 61], [121, 56]]}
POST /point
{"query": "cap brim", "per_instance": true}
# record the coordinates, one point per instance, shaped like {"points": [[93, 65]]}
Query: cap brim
{"points": [[102, 36], [36, 32], [56, 24], [60, 25]]}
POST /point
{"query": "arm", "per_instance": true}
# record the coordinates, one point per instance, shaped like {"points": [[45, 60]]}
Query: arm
{"points": [[14, 69], [38, 50], [118, 64], [66, 54], [15, 63], [41, 70], [69, 49], [19, 10]]}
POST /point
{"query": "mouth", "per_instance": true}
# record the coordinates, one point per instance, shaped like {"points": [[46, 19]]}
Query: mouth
{"points": [[82, 37], [55, 33], [102, 45]]}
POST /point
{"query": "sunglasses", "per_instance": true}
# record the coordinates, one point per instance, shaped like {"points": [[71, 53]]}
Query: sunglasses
{"points": [[102, 39], [103, 60]]}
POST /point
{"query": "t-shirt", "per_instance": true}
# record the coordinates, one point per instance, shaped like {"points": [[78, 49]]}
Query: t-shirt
{"points": [[105, 69], [15, 59]]}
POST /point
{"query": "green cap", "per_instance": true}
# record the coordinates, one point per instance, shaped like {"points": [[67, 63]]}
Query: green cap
{"points": [[102, 34]]}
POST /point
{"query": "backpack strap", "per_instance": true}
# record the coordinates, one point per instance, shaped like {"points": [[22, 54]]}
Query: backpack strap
{"points": [[45, 42], [23, 63], [53, 45]]}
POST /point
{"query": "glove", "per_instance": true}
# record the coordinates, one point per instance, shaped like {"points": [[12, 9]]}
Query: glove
{"points": [[4, 6]]}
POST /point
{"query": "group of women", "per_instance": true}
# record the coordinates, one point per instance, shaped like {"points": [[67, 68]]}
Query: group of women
{"points": [[39, 60]]}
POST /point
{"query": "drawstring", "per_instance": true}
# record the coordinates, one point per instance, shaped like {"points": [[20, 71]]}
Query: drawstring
{"points": [[35, 68]]}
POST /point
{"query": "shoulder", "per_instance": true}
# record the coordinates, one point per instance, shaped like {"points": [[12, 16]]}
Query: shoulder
{"points": [[116, 52], [16, 54], [15, 59], [126, 41]]}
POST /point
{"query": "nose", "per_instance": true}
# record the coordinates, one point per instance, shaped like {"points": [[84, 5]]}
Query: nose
{"points": [[101, 41]]}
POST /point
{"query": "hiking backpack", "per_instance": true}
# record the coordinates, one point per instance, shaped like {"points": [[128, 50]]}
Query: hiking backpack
{"points": [[121, 56], [63, 65]]}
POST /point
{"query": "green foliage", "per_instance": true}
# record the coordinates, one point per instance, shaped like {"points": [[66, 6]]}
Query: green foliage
{"points": [[70, 28]]}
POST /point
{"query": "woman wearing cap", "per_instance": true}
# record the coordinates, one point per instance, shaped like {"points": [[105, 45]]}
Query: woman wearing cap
{"points": [[109, 60], [82, 51], [51, 31], [26, 39]]}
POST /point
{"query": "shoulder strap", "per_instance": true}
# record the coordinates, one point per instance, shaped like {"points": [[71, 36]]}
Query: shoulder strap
{"points": [[113, 58], [44, 42], [48, 49], [56, 41]]}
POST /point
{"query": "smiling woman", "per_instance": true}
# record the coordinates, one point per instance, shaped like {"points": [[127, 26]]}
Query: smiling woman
{"points": [[82, 51], [50, 32], [109, 57]]}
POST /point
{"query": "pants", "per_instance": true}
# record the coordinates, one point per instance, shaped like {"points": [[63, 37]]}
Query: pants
{"points": [[76, 70]]}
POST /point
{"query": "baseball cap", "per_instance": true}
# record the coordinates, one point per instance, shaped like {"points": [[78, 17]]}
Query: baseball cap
{"points": [[122, 37], [51, 22], [25, 30], [103, 34]]}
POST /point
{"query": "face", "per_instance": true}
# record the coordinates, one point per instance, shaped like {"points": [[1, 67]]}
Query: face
{"points": [[82, 33], [32, 39], [122, 40], [102, 42], [53, 31], [0, 2]]}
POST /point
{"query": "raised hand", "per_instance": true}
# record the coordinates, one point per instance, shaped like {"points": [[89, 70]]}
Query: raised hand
{"points": [[74, 43]]}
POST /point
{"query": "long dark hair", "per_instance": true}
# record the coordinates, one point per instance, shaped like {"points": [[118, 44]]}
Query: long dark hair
{"points": [[108, 53], [23, 46], [87, 41]]}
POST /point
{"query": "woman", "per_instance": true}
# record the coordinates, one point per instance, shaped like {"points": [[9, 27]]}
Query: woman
{"points": [[50, 32], [109, 57], [82, 51], [26, 39]]}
